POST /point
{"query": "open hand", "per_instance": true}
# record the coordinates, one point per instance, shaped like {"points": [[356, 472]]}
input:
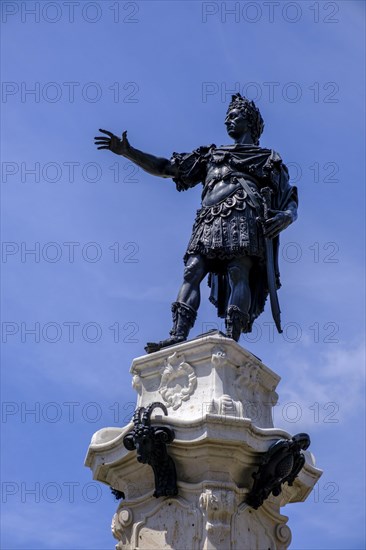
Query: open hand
{"points": [[274, 225], [112, 142]]}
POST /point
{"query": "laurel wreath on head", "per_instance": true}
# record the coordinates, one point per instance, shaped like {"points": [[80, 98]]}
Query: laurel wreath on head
{"points": [[251, 112]]}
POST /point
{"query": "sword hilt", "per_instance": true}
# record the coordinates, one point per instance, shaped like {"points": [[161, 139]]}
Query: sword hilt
{"points": [[266, 193]]}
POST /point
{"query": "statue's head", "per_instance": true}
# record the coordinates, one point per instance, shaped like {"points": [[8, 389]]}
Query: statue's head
{"points": [[242, 114]]}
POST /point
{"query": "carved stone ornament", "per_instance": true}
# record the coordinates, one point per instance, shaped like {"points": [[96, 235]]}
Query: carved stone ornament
{"points": [[137, 384], [218, 357], [249, 376], [283, 533], [225, 406], [217, 505], [178, 381], [121, 520]]}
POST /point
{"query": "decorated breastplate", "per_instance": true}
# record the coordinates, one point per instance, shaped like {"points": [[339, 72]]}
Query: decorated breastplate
{"points": [[223, 166]]}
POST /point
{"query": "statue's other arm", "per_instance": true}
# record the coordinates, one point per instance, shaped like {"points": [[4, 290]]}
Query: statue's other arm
{"points": [[280, 220], [157, 166]]}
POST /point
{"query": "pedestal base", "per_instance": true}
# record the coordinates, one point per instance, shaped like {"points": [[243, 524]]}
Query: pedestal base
{"points": [[219, 399], [203, 517]]}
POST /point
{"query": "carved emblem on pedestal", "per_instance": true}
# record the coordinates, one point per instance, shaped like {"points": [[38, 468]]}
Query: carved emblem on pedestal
{"points": [[178, 381], [218, 357], [250, 376], [283, 533], [280, 464], [150, 443], [225, 406], [121, 520], [217, 506]]}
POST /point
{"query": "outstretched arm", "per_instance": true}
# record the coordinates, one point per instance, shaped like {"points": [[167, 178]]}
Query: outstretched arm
{"points": [[157, 166]]}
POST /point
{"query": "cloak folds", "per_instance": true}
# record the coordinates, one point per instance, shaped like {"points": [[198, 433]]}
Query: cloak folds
{"points": [[265, 166]]}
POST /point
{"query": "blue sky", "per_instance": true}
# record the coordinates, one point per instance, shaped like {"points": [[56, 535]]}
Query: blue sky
{"points": [[109, 240]]}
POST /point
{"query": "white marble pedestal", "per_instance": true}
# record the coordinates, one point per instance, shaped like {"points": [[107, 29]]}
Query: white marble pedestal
{"points": [[219, 399]]}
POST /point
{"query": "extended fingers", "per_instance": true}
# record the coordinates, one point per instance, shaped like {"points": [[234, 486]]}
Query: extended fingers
{"points": [[274, 226], [273, 222], [106, 132], [103, 140], [102, 143]]}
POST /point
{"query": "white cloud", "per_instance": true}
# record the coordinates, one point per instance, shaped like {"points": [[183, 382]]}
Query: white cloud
{"points": [[322, 391]]}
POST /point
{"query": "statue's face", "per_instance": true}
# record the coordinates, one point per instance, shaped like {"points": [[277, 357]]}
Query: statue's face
{"points": [[236, 123]]}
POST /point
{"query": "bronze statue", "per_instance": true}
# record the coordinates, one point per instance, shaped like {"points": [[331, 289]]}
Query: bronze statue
{"points": [[246, 202]]}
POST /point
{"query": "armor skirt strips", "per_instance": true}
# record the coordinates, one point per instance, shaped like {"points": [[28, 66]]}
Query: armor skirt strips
{"points": [[227, 230]]}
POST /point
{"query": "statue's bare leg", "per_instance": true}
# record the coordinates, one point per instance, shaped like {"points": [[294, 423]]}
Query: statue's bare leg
{"points": [[185, 308], [194, 272], [237, 315]]}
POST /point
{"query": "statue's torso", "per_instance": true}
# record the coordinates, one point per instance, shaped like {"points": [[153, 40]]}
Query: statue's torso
{"points": [[218, 183]]}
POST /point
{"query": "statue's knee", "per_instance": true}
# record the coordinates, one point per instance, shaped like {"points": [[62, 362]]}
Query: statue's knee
{"points": [[188, 273], [192, 272], [235, 274]]}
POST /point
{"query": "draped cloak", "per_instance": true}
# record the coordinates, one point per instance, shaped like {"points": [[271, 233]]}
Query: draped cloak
{"points": [[266, 169]]}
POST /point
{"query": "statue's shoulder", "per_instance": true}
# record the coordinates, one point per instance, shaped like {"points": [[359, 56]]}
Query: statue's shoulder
{"points": [[275, 156], [245, 149], [276, 162], [204, 150]]}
